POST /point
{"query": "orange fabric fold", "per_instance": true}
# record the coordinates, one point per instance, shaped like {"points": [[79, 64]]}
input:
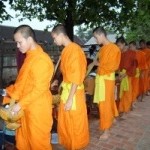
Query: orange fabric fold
{"points": [[142, 64], [109, 59], [147, 72], [108, 108], [135, 88], [126, 99], [129, 62]]}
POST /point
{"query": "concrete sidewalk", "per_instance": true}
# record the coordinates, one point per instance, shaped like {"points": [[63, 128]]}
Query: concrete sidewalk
{"points": [[132, 133]]}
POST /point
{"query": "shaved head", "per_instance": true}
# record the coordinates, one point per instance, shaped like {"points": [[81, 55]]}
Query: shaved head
{"points": [[59, 29], [99, 30], [26, 31]]}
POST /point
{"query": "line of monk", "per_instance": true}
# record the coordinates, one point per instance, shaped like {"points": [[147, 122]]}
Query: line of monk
{"points": [[132, 78], [116, 65]]}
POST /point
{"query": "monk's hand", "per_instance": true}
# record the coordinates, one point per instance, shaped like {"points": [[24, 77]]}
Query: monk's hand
{"points": [[68, 104], [15, 109]]}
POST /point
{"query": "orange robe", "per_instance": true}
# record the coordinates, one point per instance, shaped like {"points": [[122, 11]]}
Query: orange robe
{"points": [[31, 89], [109, 59], [73, 124], [129, 63], [126, 99], [135, 82], [147, 72], [143, 69]]}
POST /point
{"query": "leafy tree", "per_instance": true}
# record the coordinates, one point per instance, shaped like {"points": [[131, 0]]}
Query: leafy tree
{"points": [[112, 13], [140, 24], [3, 14], [84, 33]]}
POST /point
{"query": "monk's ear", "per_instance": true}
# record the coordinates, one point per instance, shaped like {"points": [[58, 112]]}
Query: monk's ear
{"points": [[30, 39], [61, 35]]}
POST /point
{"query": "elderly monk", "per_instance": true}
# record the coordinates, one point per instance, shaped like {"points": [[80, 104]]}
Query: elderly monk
{"points": [[109, 59], [32, 94], [72, 114]]}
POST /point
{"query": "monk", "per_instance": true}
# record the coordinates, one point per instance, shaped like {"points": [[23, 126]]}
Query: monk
{"points": [[143, 80], [135, 79], [148, 46], [108, 63], [146, 50], [128, 65], [72, 127], [32, 94]]}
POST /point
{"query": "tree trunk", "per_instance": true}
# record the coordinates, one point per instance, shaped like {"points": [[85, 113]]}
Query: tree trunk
{"points": [[69, 23], [69, 27]]}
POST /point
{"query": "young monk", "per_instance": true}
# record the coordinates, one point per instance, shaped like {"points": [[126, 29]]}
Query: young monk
{"points": [[143, 66], [146, 50], [148, 46], [128, 65], [109, 59], [32, 94], [135, 79], [72, 114]]}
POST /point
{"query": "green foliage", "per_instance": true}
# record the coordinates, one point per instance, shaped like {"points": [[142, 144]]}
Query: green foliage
{"points": [[84, 33], [110, 13], [3, 14], [115, 15], [140, 24]]}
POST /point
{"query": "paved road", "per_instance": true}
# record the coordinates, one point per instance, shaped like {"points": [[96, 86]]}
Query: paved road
{"points": [[132, 133]]}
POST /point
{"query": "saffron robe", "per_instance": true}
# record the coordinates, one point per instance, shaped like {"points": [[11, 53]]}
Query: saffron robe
{"points": [[109, 60], [126, 99], [129, 64], [143, 69], [135, 81], [147, 72], [31, 90], [73, 124]]}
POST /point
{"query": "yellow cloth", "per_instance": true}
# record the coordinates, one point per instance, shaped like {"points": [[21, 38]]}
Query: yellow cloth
{"points": [[137, 73], [124, 86], [100, 86], [65, 93]]}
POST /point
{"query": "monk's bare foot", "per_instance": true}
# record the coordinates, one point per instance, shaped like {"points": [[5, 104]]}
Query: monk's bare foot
{"points": [[114, 121], [104, 136], [147, 93], [124, 116], [133, 106], [140, 98]]}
